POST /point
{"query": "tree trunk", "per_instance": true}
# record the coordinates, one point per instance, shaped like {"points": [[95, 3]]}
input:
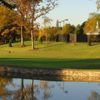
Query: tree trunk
{"points": [[22, 36], [32, 39], [32, 92], [89, 42], [22, 98], [46, 39], [5, 41]]}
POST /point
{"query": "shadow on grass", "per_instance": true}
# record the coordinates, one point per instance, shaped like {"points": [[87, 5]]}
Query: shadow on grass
{"points": [[52, 63], [19, 45]]}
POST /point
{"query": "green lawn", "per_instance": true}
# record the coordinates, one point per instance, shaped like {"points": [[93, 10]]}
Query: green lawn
{"points": [[56, 55]]}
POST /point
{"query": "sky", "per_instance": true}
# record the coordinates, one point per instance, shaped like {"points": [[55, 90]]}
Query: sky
{"points": [[76, 11]]}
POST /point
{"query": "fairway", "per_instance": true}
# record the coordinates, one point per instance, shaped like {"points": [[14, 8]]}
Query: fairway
{"points": [[54, 55]]}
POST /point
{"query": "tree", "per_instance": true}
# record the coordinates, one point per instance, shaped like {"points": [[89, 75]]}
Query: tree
{"points": [[7, 4], [46, 33], [46, 23], [26, 92], [78, 29], [94, 17], [36, 32], [21, 9], [41, 34], [82, 27], [98, 5], [4, 92], [44, 85], [8, 26], [94, 96], [72, 28], [54, 32], [32, 10], [90, 25], [36, 9], [67, 28]]}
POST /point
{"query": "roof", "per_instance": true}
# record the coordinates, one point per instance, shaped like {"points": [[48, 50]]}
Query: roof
{"points": [[94, 33]]}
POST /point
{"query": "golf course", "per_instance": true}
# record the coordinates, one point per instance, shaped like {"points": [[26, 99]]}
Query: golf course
{"points": [[53, 55]]}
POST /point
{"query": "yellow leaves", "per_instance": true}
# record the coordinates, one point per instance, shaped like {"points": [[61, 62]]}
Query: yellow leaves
{"points": [[13, 29], [3, 17], [66, 29], [41, 33], [5, 32], [7, 18], [90, 25], [2, 80]]}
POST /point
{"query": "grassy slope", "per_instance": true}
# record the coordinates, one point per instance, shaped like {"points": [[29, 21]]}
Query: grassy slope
{"points": [[56, 55]]}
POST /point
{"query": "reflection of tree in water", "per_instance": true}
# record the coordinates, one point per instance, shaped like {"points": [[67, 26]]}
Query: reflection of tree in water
{"points": [[4, 92], [62, 87], [44, 85], [22, 93], [26, 93], [94, 96]]}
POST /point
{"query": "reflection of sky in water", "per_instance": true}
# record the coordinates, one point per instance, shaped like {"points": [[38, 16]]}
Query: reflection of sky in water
{"points": [[61, 90]]}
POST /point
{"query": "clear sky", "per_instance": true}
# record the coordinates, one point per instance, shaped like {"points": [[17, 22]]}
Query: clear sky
{"points": [[77, 11]]}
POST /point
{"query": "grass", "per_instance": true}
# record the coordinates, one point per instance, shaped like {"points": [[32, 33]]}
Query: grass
{"points": [[56, 55]]}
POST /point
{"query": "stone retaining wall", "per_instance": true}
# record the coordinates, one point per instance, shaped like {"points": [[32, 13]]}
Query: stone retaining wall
{"points": [[64, 75], [49, 72]]}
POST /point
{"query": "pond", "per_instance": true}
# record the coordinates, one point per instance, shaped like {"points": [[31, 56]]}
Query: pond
{"points": [[35, 89]]}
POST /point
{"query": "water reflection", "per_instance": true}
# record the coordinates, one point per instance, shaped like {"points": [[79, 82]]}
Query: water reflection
{"points": [[4, 92], [45, 87], [32, 89], [62, 87], [94, 96], [26, 92]]}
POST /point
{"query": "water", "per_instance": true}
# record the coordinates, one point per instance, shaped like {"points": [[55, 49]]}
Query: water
{"points": [[29, 89]]}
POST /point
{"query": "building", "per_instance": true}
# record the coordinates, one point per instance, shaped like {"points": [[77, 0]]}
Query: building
{"points": [[57, 23]]}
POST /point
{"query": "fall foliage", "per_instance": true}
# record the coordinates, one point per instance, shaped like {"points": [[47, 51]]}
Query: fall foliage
{"points": [[8, 24]]}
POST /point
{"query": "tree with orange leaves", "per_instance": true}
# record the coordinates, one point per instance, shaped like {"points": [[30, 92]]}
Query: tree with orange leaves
{"points": [[30, 11], [36, 9], [7, 23], [90, 24], [22, 11]]}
